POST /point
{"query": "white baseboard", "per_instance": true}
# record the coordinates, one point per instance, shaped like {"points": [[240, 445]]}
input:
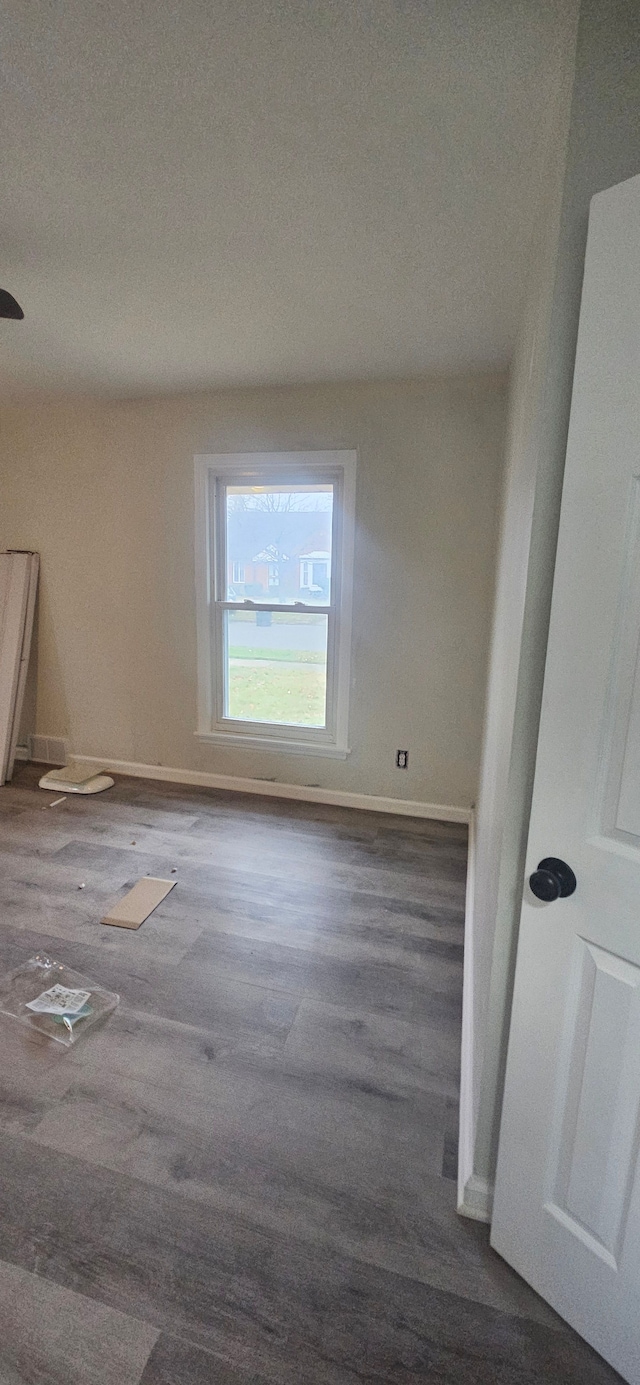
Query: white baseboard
{"points": [[22, 752], [466, 1139], [443, 812], [476, 1200], [475, 1194]]}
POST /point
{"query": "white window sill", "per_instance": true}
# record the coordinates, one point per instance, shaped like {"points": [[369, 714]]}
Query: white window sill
{"points": [[228, 738]]}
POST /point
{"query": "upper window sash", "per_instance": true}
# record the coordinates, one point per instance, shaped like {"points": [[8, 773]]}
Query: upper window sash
{"points": [[266, 478]]}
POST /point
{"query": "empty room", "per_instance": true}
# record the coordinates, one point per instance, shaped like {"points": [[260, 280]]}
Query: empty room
{"points": [[319, 692]]}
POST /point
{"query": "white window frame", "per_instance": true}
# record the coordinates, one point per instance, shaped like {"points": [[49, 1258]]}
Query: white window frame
{"points": [[212, 473]]}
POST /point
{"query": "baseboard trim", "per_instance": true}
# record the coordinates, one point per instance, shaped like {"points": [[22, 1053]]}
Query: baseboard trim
{"points": [[339, 798], [476, 1201], [466, 1136]]}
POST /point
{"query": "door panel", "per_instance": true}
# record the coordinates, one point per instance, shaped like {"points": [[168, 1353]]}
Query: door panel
{"points": [[593, 1158], [567, 1203], [619, 802]]}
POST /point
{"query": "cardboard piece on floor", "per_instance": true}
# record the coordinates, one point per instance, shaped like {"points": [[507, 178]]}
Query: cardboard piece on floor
{"points": [[141, 901]]}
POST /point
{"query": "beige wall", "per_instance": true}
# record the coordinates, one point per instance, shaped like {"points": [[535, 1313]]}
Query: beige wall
{"points": [[104, 491]]}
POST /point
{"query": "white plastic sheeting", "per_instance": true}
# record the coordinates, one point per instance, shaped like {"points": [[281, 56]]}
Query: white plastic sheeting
{"points": [[18, 585]]}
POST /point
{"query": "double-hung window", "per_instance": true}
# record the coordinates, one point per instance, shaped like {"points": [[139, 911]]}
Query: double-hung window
{"points": [[274, 571]]}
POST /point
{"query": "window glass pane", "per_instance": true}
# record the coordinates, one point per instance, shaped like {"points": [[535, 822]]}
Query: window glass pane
{"points": [[276, 667], [279, 543]]}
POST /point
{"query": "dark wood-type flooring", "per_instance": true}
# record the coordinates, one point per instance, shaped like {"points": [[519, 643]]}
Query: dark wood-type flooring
{"points": [[248, 1174]]}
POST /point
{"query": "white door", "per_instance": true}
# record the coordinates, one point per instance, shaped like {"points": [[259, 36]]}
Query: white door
{"points": [[567, 1206]]}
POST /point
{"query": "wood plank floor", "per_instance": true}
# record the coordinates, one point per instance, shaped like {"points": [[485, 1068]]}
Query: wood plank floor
{"points": [[247, 1175]]}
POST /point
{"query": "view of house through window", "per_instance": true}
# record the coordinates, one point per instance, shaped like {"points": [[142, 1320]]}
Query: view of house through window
{"points": [[278, 541]]}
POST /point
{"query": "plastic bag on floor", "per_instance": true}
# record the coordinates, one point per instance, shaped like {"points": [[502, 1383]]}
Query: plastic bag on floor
{"points": [[54, 1000]]}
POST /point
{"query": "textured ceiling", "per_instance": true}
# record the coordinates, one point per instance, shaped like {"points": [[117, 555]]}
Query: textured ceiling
{"points": [[209, 192]]}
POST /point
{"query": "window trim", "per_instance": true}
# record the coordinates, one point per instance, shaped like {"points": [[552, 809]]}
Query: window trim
{"points": [[214, 470]]}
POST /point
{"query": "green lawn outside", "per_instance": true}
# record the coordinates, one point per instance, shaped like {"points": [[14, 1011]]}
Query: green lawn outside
{"points": [[290, 695]]}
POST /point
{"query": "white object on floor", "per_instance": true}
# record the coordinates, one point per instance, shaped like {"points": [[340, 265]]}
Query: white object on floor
{"points": [[75, 778], [18, 585]]}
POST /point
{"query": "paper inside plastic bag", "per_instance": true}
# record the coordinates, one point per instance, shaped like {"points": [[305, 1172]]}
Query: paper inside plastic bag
{"points": [[55, 1000], [59, 1000]]}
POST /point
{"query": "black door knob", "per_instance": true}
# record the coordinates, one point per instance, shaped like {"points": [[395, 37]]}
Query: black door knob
{"points": [[553, 879]]}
